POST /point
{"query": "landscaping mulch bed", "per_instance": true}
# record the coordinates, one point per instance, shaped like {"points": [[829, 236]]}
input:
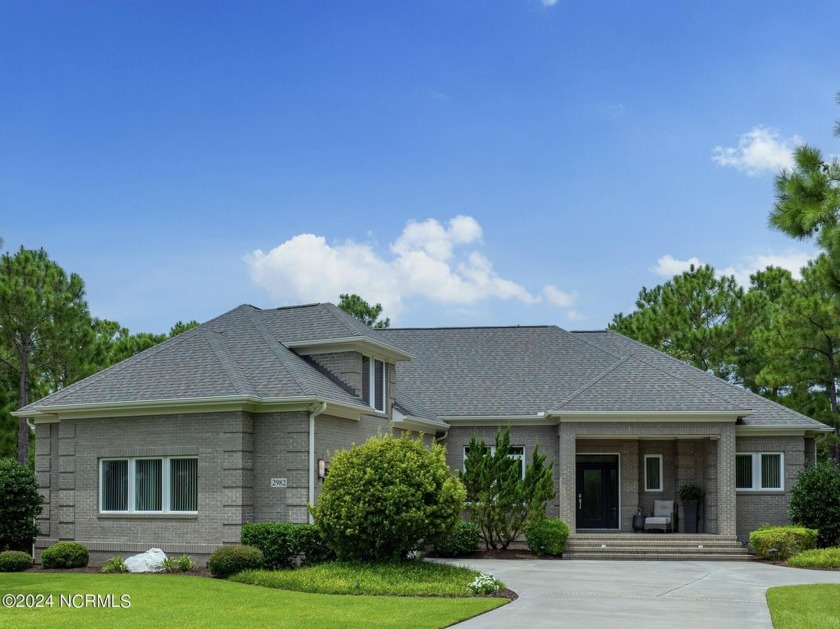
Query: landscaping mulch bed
{"points": [[504, 593]]}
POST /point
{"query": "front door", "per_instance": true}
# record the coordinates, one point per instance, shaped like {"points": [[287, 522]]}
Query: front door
{"points": [[597, 491]]}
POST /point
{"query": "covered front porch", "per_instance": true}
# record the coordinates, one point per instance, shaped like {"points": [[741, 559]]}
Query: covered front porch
{"points": [[611, 470]]}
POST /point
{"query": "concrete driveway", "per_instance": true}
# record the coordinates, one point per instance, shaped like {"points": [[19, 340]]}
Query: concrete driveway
{"points": [[668, 594]]}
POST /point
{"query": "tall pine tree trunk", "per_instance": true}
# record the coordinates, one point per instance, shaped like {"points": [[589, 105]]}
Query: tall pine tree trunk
{"points": [[23, 427], [834, 449]]}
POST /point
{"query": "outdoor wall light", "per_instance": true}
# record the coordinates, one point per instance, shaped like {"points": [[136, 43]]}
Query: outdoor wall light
{"points": [[322, 470]]}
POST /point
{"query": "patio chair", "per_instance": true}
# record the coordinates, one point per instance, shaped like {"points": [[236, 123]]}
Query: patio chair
{"points": [[663, 517]]}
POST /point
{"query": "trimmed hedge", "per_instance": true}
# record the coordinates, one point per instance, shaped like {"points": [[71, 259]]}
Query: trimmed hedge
{"points": [[283, 543], [547, 537], [311, 546], [228, 560], [787, 540], [15, 561], [463, 540], [65, 555]]}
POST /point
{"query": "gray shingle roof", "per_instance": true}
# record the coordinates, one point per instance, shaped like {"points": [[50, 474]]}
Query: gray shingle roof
{"points": [[764, 412], [235, 354], [502, 371], [494, 371], [520, 371]]}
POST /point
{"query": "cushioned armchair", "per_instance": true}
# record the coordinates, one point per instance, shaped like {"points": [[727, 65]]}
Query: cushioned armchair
{"points": [[663, 517]]}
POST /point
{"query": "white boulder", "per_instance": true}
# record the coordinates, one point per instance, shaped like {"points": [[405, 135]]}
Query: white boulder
{"points": [[150, 561]]}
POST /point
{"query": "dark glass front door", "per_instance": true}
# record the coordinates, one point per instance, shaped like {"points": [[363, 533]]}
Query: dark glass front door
{"points": [[597, 491]]}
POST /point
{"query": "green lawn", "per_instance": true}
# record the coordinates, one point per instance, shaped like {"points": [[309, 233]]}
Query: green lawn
{"points": [[183, 601], [406, 578], [805, 606]]}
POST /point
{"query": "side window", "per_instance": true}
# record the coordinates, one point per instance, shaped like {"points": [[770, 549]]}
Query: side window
{"points": [[514, 452], [374, 381], [653, 472]]}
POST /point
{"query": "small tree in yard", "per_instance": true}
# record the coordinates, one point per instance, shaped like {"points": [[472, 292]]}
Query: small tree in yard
{"points": [[20, 504], [815, 502], [386, 498], [499, 500]]}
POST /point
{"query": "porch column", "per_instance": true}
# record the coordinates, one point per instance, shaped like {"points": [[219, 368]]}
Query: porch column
{"points": [[726, 481], [567, 470]]}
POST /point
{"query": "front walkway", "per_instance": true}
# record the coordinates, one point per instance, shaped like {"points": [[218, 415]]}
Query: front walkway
{"points": [[667, 594]]}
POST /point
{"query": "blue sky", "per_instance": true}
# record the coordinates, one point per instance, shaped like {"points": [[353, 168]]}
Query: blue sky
{"points": [[464, 163]]}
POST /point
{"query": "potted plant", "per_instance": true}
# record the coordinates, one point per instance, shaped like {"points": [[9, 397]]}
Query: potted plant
{"points": [[690, 496]]}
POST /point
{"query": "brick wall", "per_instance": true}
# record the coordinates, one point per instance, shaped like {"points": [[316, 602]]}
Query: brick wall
{"points": [[346, 366], [67, 467], [769, 507], [281, 450]]}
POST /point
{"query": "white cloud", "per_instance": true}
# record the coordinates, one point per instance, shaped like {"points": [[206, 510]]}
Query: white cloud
{"points": [[759, 150], [792, 260], [559, 298], [669, 266], [549, 3], [428, 260]]}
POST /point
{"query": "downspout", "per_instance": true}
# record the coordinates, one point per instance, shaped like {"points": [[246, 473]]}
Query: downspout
{"points": [[442, 437], [312, 415]]}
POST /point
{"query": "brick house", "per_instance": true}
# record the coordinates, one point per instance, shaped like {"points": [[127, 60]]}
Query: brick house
{"points": [[231, 422]]}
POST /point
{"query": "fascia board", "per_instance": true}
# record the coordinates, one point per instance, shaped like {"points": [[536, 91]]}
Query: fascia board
{"points": [[647, 416], [361, 344], [253, 404], [497, 420], [411, 422], [777, 431]]}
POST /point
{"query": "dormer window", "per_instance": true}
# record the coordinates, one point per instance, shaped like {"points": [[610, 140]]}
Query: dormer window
{"points": [[374, 375]]}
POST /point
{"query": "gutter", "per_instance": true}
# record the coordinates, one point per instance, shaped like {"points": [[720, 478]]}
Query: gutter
{"points": [[312, 415]]}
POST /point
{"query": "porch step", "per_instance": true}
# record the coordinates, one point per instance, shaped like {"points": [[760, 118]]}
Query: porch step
{"points": [[616, 556], [664, 547]]}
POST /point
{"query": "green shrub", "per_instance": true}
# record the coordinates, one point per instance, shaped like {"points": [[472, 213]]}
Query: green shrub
{"points": [[501, 501], [462, 541], [283, 543], [787, 540], [20, 504], [386, 498], [815, 502], [177, 564], [114, 564], [184, 563], [311, 546], [274, 539], [825, 558], [65, 555], [228, 560], [547, 537], [15, 561]]}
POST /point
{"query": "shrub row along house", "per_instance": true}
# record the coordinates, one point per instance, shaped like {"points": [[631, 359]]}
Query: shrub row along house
{"points": [[233, 421]]}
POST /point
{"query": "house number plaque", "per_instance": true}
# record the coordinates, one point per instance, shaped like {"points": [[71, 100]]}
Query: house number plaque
{"points": [[278, 483]]}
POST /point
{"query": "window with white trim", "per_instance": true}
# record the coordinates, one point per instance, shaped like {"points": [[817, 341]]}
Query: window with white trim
{"points": [[516, 453], [148, 485], [653, 472], [374, 380], [759, 471]]}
